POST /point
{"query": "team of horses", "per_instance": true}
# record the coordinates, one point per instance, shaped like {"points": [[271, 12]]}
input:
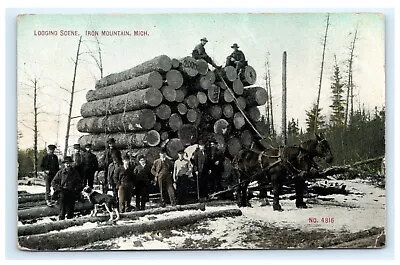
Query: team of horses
{"points": [[278, 166]]}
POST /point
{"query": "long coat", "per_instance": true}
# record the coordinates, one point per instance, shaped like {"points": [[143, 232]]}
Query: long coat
{"points": [[50, 163], [69, 180], [198, 160], [90, 163]]}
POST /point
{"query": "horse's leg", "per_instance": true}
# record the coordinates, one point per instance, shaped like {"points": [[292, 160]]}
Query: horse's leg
{"points": [[299, 187], [276, 186]]}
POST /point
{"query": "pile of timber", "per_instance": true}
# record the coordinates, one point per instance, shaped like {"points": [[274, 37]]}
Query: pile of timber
{"points": [[172, 103]]}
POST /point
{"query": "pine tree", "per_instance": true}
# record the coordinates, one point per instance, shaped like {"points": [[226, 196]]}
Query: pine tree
{"points": [[293, 128], [338, 102], [311, 119]]}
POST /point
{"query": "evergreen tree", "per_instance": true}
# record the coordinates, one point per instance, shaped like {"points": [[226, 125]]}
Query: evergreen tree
{"points": [[338, 102], [293, 128], [310, 120]]}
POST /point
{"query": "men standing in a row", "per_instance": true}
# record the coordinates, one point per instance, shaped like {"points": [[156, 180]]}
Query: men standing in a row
{"points": [[90, 166], [199, 52], [180, 175], [106, 160], [236, 59], [50, 166], [161, 169], [143, 179], [69, 184], [198, 161]]}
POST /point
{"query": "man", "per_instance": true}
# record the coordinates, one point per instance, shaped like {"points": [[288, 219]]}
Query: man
{"points": [[215, 166], [69, 184], [90, 166], [161, 169], [180, 175], [106, 160], [143, 179], [199, 52], [78, 159], [124, 182], [50, 166], [112, 174], [198, 161], [236, 59]]}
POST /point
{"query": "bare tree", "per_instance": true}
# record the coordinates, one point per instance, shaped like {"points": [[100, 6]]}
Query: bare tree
{"points": [[321, 72], [268, 107], [350, 80]]}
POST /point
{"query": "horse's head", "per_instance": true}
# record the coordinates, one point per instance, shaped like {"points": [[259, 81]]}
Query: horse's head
{"points": [[323, 149]]}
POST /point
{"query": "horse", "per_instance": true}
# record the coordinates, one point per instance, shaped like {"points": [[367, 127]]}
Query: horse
{"points": [[280, 165]]}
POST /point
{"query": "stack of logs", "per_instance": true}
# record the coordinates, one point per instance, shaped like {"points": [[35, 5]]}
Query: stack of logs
{"points": [[170, 103]]}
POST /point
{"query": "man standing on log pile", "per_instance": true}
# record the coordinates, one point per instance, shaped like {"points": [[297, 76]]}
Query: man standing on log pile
{"points": [[215, 167], [50, 166], [198, 161], [113, 171], [236, 59], [106, 160], [90, 166], [161, 169], [69, 184], [124, 182], [199, 52], [182, 170], [143, 180]]}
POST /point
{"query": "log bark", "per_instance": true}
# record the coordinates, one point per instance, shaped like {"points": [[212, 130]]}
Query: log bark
{"points": [[169, 93], [221, 126], [175, 122], [35, 229], [182, 109], [175, 63], [189, 67], [237, 87], [188, 134], [228, 97], [192, 115], [246, 138], [134, 100], [192, 101], [71, 239], [249, 76], [215, 111], [254, 113], [234, 146], [160, 63], [174, 79], [213, 94], [150, 153], [255, 96], [229, 73], [173, 146], [122, 140], [152, 79], [132, 121], [31, 198], [238, 120], [202, 97], [227, 110], [163, 112], [241, 103]]}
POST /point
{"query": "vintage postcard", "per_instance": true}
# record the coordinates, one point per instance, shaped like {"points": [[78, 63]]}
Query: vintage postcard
{"points": [[201, 131]]}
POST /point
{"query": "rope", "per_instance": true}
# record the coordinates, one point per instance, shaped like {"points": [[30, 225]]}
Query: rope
{"points": [[123, 123]]}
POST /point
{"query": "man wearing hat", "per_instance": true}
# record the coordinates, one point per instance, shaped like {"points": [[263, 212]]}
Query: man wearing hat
{"points": [[161, 169], [106, 160], [143, 179], [69, 184], [180, 175], [50, 166], [236, 59], [199, 160], [90, 165], [199, 52], [78, 159]]}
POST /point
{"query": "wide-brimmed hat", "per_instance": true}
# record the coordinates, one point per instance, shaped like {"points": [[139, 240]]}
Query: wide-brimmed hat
{"points": [[51, 146], [67, 159], [235, 45], [205, 39]]}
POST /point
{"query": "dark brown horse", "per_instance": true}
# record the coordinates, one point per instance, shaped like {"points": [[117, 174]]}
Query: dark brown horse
{"points": [[277, 166]]}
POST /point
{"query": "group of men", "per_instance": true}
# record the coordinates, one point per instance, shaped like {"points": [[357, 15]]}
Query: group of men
{"points": [[127, 176]]}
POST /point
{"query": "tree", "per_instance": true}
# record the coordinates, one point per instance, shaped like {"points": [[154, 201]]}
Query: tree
{"points": [[350, 85], [338, 103], [315, 120]]}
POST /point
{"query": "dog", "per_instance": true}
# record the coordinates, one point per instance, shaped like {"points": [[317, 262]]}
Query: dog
{"points": [[100, 199]]}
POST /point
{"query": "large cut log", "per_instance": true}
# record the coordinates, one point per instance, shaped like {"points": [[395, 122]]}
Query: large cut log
{"points": [[188, 134], [202, 97], [237, 87], [157, 126], [169, 93], [175, 63], [241, 102], [254, 113], [215, 111], [213, 93], [44, 211], [152, 79], [229, 73], [222, 85], [227, 110], [188, 66], [160, 63], [228, 97], [64, 224], [27, 205], [173, 146], [164, 136], [163, 112], [182, 108], [192, 115], [255, 96], [192, 101], [238, 120], [122, 140], [134, 100], [31, 198], [249, 76], [221, 126], [180, 94], [150, 153], [246, 138], [73, 239], [174, 79], [202, 67], [132, 121], [234, 146], [175, 122]]}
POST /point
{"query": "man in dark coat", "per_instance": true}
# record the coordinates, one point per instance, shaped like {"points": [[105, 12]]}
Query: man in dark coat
{"points": [[143, 179], [90, 166], [106, 160], [69, 184], [50, 166], [162, 169], [215, 167], [236, 59], [124, 179], [199, 52], [112, 174], [198, 161], [77, 157]]}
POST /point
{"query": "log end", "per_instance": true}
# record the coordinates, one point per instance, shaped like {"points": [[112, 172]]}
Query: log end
{"points": [[147, 119], [164, 63], [153, 97], [174, 79], [152, 138], [155, 80]]}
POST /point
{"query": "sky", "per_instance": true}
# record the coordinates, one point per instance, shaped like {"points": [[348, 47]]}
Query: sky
{"points": [[50, 58]]}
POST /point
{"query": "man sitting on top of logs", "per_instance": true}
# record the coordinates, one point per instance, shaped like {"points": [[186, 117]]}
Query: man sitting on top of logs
{"points": [[236, 59], [199, 52], [106, 160]]}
